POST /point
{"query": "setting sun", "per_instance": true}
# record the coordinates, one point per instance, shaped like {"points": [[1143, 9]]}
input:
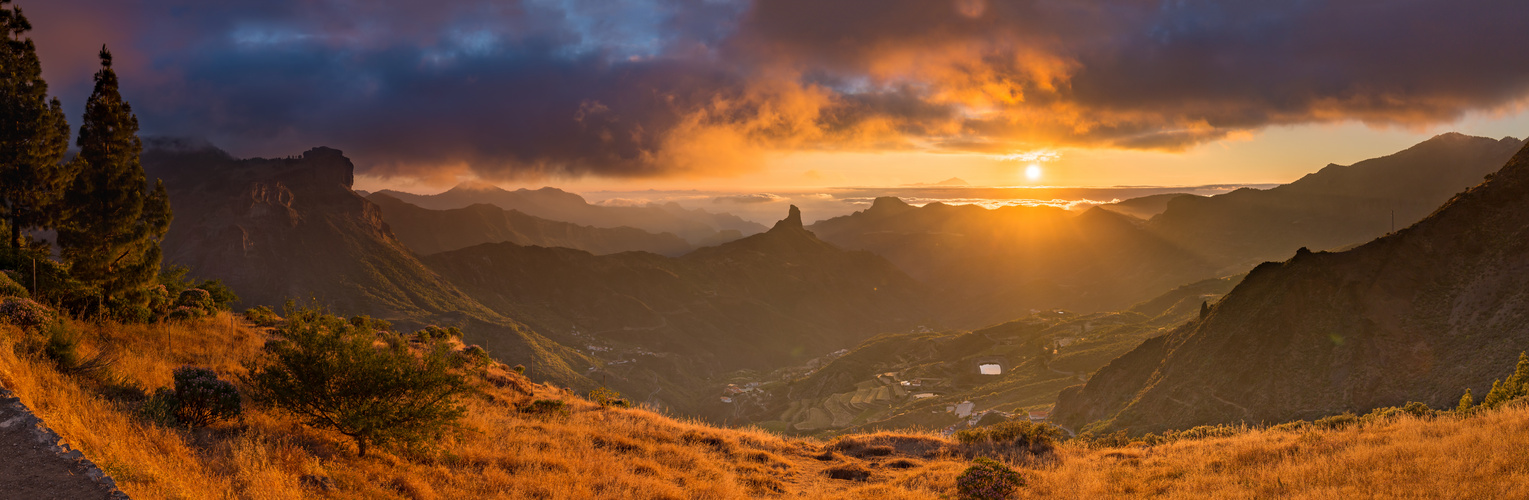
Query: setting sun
{"points": [[1033, 172]]}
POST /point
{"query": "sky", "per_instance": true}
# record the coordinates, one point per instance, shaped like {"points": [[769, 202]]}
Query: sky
{"points": [[622, 96]]}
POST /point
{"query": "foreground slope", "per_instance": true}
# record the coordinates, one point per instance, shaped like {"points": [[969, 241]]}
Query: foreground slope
{"points": [[607, 453], [428, 231], [1419, 315], [675, 324]]}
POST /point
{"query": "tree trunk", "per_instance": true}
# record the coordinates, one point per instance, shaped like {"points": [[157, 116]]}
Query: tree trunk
{"points": [[361, 446]]}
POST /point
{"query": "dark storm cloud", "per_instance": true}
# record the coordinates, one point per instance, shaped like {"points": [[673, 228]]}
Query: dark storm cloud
{"points": [[658, 87]]}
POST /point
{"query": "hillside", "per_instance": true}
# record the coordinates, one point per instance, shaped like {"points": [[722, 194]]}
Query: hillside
{"points": [[694, 225], [593, 452], [428, 231], [665, 326], [292, 228], [1333, 207], [916, 380], [997, 265], [1419, 315]]}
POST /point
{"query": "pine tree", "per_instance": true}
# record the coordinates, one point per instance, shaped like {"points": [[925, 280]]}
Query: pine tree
{"points": [[1466, 402], [110, 238], [34, 133]]}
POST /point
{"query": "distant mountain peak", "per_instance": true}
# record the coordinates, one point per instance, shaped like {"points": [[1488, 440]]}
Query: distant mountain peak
{"points": [[476, 185], [888, 204], [793, 221]]}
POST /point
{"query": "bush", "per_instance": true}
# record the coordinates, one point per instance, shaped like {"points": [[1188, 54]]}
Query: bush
{"points": [[475, 356], [10, 288], [202, 399], [261, 316], [367, 323], [326, 371], [433, 332], [1336, 422], [1012, 438], [545, 407], [220, 293], [185, 313], [160, 407], [62, 347], [196, 298], [609, 398], [519, 369], [24, 313], [988, 480]]}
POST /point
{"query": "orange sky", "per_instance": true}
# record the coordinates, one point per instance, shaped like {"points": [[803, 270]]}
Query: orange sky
{"points": [[1273, 155]]}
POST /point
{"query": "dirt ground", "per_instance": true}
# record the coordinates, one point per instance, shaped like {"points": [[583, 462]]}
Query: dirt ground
{"points": [[32, 469]]}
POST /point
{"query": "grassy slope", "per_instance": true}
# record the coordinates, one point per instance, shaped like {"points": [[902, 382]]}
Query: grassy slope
{"points": [[597, 453]]}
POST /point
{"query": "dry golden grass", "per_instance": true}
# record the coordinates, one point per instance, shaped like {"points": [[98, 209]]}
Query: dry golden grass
{"points": [[593, 452]]}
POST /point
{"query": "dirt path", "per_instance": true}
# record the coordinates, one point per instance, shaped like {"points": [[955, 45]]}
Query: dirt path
{"points": [[34, 466]]}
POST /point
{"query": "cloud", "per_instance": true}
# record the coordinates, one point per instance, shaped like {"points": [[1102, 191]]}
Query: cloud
{"points": [[643, 88], [749, 198]]}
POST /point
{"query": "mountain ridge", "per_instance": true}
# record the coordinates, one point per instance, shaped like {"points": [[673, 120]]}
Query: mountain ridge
{"points": [[1418, 315]]}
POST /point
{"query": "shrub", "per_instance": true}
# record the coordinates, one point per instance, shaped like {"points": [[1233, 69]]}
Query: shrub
{"points": [[1015, 437], [1336, 422], [433, 332], [203, 399], [220, 293], [261, 316], [988, 480], [62, 347], [10, 288], [184, 313], [545, 407], [368, 323], [24, 313], [326, 371], [196, 298], [609, 398], [475, 356], [519, 369], [160, 407]]}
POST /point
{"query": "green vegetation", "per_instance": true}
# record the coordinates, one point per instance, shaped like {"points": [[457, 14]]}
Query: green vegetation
{"points": [[1514, 387], [988, 480], [112, 227], [331, 373], [33, 136], [199, 399]]}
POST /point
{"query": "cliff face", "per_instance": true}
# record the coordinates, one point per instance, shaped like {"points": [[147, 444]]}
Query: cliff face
{"points": [[275, 229], [292, 228], [1420, 315]]}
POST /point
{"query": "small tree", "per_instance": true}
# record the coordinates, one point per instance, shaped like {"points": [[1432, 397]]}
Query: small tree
{"points": [[1465, 403], [331, 373], [1514, 387]]}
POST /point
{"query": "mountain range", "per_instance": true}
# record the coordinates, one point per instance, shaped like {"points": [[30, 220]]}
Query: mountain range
{"points": [[428, 231], [1418, 315], [768, 300], [694, 225]]}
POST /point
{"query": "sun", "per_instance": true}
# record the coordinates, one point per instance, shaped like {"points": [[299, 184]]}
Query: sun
{"points": [[1033, 172]]}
